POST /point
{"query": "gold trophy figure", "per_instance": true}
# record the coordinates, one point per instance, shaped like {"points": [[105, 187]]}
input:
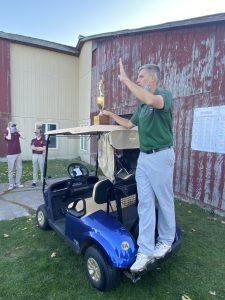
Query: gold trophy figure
{"points": [[101, 119], [100, 99]]}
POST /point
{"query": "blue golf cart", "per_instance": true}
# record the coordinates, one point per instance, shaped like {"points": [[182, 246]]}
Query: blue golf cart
{"points": [[97, 215]]}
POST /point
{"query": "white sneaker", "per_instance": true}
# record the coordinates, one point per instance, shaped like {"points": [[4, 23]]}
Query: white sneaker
{"points": [[141, 262], [10, 188], [161, 249], [19, 185]]}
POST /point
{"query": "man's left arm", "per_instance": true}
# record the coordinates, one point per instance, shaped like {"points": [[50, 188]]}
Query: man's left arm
{"points": [[167, 98]]}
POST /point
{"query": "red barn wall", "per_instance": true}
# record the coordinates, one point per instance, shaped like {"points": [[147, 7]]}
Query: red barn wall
{"points": [[5, 108], [192, 62]]}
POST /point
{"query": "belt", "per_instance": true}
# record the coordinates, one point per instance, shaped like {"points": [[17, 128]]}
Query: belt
{"points": [[155, 150]]}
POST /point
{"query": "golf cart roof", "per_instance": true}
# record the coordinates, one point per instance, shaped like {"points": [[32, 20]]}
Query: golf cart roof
{"points": [[82, 130], [119, 136]]}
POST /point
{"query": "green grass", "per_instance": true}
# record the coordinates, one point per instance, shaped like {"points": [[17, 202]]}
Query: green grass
{"points": [[27, 270], [27, 171], [56, 168]]}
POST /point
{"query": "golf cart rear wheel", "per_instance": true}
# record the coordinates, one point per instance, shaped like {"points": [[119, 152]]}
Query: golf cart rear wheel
{"points": [[101, 275], [42, 218]]}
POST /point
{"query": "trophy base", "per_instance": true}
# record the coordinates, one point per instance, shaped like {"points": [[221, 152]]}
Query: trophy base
{"points": [[101, 120]]}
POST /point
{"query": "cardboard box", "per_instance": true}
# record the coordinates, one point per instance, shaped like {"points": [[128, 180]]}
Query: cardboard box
{"points": [[101, 120]]}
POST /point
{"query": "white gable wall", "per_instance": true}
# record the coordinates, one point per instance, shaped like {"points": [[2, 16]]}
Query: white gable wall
{"points": [[45, 89]]}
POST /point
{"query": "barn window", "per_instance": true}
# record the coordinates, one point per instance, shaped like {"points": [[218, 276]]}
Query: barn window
{"points": [[46, 127], [83, 143]]}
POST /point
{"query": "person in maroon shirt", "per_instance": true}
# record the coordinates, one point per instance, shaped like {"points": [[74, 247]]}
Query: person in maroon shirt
{"points": [[12, 137], [38, 146]]}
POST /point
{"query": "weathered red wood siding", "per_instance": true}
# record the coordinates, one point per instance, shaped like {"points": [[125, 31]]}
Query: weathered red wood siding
{"points": [[5, 108], [192, 62]]}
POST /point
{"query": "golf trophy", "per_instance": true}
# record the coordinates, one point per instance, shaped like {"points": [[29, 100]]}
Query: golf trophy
{"points": [[101, 119]]}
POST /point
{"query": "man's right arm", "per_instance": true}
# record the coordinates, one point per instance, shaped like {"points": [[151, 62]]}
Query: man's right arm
{"points": [[8, 137], [119, 120]]}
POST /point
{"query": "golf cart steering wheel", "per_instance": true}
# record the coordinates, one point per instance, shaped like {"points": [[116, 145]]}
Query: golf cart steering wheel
{"points": [[78, 172]]}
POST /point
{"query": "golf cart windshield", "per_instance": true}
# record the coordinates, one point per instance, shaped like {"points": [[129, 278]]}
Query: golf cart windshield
{"points": [[112, 140]]}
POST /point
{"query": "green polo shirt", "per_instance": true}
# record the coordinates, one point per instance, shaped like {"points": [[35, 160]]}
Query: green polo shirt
{"points": [[154, 125]]}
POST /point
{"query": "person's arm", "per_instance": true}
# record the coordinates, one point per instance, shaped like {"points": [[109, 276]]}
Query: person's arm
{"points": [[145, 96], [119, 120], [21, 136], [40, 148], [32, 145], [8, 136]]}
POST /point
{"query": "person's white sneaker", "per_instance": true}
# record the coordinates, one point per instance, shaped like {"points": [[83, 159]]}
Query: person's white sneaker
{"points": [[10, 188], [19, 185], [141, 262], [161, 249]]}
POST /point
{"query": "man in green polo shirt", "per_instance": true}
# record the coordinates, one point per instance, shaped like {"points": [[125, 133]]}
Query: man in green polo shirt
{"points": [[154, 173]]}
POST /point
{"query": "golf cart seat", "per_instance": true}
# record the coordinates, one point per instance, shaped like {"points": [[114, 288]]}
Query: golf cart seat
{"points": [[103, 191], [102, 198]]}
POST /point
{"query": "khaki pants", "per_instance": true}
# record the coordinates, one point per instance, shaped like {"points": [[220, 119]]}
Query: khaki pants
{"points": [[154, 176], [14, 159], [37, 160]]}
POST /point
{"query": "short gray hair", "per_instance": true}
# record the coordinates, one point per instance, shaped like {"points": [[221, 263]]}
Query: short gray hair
{"points": [[152, 68]]}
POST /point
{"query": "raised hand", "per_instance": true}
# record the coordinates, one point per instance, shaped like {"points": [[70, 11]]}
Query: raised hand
{"points": [[122, 76]]}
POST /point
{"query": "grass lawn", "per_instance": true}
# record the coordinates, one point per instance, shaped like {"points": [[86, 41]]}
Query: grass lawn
{"points": [[27, 270], [56, 168]]}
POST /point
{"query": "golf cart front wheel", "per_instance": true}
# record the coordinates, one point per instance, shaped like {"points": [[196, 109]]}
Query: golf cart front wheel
{"points": [[42, 218], [100, 274]]}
